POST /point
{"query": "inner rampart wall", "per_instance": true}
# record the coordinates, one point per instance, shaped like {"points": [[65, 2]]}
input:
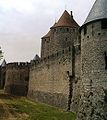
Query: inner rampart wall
{"points": [[49, 81], [17, 77]]}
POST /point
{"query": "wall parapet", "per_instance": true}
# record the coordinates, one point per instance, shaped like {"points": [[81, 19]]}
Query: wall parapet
{"points": [[52, 57], [18, 65], [65, 53]]}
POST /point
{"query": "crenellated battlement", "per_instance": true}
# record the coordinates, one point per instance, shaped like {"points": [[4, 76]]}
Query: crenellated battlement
{"points": [[64, 52], [17, 77], [58, 57], [18, 65]]}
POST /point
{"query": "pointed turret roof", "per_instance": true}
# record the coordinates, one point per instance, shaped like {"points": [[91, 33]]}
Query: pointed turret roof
{"points": [[36, 57], [3, 63], [98, 11], [66, 20], [47, 35], [53, 25]]}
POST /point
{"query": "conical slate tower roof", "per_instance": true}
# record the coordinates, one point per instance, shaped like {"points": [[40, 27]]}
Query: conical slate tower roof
{"points": [[98, 11], [66, 21]]}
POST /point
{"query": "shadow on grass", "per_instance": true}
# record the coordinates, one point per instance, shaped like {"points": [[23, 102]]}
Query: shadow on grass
{"points": [[5, 96], [2, 111], [33, 111]]}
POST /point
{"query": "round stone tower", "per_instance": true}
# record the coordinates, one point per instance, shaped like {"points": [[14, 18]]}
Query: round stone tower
{"points": [[65, 32], [93, 103], [61, 35]]}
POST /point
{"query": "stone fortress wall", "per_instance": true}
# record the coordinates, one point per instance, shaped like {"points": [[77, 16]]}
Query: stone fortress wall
{"points": [[46, 78], [72, 70], [17, 78], [49, 81]]}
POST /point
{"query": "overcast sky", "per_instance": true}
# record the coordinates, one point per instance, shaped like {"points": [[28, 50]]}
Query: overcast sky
{"points": [[24, 22]]}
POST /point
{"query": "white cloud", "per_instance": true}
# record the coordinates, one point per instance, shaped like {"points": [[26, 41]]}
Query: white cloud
{"points": [[24, 22], [20, 5]]}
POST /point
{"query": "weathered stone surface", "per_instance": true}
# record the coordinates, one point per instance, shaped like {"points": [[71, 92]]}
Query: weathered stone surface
{"points": [[54, 99], [17, 77], [19, 90], [93, 73], [51, 77], [48, 76]]}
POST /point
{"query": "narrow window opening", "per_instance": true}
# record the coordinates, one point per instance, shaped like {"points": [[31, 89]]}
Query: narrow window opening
{"points": [[67, 29], [54, 30], [85, 29], [104, 24], [105, 53], [63, 51], [66, 38], [105, 97], [79, 47], [69, 49], [87, 36], [57, 54], [99, 33]]}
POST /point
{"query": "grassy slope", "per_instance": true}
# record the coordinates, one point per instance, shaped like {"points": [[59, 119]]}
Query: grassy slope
{"points": [[35, 111]]}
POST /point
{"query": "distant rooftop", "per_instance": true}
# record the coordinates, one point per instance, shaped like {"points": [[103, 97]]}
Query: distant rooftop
{"points": [[36, 57], [3, 64]]}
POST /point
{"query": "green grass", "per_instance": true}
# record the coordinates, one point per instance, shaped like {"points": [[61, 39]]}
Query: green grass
{"points": [[34, 111], [37, 111], [1, 111]]}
